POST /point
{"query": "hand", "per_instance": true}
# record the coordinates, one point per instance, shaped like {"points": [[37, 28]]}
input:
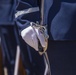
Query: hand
{"points": [[31, 35]]}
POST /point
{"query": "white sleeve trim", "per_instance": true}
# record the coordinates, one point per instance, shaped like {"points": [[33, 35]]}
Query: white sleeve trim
{"points": [[26, 11]]}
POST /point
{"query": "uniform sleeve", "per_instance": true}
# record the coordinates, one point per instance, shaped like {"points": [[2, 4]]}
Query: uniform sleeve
{"points": [[6, 12], [63, 25], [27, 11]]}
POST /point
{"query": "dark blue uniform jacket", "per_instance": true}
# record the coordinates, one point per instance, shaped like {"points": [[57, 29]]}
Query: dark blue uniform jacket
{"points": [[60, 16], [7, 10]]}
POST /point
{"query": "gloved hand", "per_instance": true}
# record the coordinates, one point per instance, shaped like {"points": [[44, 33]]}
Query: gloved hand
{"points": [[33, 34]]}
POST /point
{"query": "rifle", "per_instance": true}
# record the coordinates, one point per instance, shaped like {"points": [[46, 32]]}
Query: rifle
{"points": [[45, 55]]}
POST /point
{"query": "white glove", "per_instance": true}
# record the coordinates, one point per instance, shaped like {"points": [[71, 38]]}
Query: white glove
{"points": [[31, 35]]}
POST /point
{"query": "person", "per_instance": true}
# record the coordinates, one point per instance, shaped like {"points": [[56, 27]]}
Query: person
{"points": [[62, 53], [10, 38], [61, 19], [22, 22], [8, 43]]}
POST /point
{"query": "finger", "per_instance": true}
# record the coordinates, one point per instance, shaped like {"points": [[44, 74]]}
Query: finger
{"points": [[41, 38]]}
